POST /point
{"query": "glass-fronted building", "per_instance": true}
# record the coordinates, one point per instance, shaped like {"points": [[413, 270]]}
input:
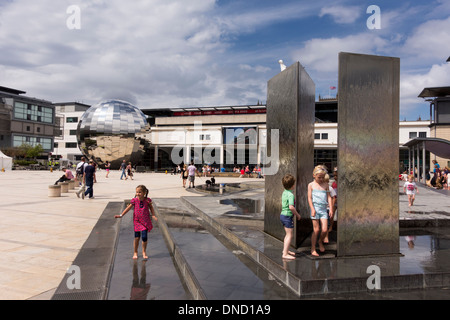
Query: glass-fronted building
{"points": [[25, 120]]}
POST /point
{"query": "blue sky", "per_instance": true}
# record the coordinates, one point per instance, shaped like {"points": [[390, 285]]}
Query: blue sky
{"points": [[165, 53]]}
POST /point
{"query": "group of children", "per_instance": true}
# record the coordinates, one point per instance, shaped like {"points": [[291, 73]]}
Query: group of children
{"points": [[321, 198], [322, 203]]}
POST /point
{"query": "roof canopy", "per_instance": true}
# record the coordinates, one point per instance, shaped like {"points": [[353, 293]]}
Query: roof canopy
{"points": [[435, 92], [439, 147]]}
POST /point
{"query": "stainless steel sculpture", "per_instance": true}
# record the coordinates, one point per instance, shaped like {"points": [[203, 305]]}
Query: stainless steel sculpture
{"points": [[368, 155], [113, 131], [290, 109]]}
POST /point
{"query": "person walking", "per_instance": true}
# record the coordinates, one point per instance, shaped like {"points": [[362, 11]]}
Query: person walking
{"points": [[123, 167], [107, 166], [89, 178], [191, 170], [184, 175], [79, 177], [129, 171], [410, 188]]}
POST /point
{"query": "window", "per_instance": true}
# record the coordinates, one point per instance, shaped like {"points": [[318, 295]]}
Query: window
{"points": [[72, 119], [32, 112], [318, 136], [73, 132], [204, 137], [28, 128], [412, 135], [71, 145], [422, 134], [46, 143]]}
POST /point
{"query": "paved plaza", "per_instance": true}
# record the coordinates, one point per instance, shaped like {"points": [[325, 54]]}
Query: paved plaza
{"points": [[42, 236]]}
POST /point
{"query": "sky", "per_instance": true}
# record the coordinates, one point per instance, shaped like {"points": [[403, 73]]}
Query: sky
{"points": [[200, 53]]}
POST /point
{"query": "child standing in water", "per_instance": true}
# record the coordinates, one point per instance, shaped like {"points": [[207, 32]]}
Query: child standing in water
{"points": [[319, 199], [141, 218], [287, 213]]}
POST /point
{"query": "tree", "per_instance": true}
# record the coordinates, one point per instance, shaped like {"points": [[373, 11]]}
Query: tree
{"points": [[33, 152]]}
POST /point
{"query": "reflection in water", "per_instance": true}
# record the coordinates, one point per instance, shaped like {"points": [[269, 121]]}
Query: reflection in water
{"points": [[410, 240], [425, 253], [244, 206], [140, 287]]}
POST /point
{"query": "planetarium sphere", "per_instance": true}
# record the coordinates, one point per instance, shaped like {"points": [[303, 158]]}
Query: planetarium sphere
{"points": [[113, 131]]}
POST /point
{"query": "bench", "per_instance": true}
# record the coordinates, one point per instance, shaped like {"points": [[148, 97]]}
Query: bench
{"points": [[54, 190]]}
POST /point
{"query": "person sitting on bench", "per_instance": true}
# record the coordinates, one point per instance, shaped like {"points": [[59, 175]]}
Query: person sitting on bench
{"points": [[67, 176]]}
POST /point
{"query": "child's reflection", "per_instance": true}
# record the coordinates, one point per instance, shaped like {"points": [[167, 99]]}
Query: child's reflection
{"points": [[139, 288]]}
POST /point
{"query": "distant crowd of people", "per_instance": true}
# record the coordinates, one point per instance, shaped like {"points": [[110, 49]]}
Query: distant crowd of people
{"points": [[85, 174], [439, 178]]}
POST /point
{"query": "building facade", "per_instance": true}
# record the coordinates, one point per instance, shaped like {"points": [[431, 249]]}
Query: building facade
{"points": [[215, 134], [25, 120], [66, 146]]}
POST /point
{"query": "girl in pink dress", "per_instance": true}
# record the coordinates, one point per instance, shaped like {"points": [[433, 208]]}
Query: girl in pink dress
{"points": [[141, 218]]}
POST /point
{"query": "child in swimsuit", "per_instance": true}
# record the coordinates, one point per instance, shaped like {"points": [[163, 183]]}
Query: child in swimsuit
{"points": [[319, 199]]}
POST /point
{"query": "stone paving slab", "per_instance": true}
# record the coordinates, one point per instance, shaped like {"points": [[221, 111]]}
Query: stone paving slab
{"points": [[41, 236]]}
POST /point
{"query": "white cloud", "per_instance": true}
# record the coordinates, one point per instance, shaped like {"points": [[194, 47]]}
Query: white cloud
{"points": [[245, 20], [254, 68], [147, 48], [430, 41], [341, 14], [322, 54], [412, 84]]}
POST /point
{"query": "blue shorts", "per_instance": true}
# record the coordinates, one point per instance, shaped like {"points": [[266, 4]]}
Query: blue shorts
{"points": [[137, 234], [287, 221], [321, 213]]}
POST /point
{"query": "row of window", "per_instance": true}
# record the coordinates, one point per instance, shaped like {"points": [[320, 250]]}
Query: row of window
{"points": [[320, 136], [72, 120], [413, 135], [46, 143], [67, 145], [27, 111]]}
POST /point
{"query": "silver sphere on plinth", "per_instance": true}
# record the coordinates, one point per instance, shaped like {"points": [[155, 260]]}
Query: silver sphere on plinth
{"points": [[113, 131]]}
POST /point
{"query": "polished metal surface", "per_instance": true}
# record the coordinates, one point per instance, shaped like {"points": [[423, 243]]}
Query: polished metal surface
{"points": [[113, 131], [290, 109], [368, 155]]}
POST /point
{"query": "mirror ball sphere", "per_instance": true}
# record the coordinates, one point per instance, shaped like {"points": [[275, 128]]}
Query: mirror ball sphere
{"points": [[113, 131]]}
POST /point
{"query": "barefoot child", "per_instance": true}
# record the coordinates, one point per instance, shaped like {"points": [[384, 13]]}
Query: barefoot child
{"points": [[333, 198], [319, 198], [141, 218], [410, 188], [287, 212]]}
